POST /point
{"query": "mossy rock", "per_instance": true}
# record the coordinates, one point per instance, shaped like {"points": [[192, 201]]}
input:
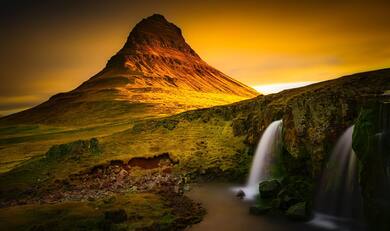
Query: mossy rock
{"points": [[371, 143], [259, 209], [286, 199], [298, 211], [73, 150], [269, 188]]}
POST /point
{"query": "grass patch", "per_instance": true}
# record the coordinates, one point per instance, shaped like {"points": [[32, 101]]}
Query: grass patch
{"points": [[142, 209]]}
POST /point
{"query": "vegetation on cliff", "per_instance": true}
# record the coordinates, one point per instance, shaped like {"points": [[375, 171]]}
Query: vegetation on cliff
{"points": [[371, 142]]}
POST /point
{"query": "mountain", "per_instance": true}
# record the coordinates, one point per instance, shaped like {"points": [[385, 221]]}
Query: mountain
{"points": [[156, 73]]}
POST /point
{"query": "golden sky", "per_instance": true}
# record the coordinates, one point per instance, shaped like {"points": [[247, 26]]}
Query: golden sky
{"points": [[52, 46]]}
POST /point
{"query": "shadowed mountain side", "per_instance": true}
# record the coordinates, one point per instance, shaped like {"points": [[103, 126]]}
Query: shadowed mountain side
{"points": [[156, 73]]}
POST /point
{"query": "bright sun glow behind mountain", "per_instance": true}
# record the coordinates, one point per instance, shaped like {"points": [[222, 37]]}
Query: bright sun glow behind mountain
{"points": [[274, 88]]}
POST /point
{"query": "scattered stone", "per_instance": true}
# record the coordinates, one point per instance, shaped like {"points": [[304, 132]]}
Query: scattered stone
{"points": [[122, 174], [186, 188], [103, 181], [109, 200]]}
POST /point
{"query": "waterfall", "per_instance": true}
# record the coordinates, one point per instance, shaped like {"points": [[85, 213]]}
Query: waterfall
{"points": [[263, 158], [338, 198]]}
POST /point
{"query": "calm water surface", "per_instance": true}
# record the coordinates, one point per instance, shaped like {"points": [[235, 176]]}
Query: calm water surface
{"points": [[225, 212]]}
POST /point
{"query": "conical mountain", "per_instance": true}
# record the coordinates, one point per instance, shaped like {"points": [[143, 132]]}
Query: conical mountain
{"points": [[156, 73]]}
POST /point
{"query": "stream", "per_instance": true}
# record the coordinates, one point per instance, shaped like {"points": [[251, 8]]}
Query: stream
{"points": [[228, 213]]}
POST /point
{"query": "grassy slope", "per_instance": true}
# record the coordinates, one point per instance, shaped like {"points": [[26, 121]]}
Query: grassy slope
{"points": [[143, 210], [198, 145], [19, 143]]}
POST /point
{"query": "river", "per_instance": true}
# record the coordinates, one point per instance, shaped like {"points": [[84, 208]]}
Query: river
{"points": [[225, 212]]}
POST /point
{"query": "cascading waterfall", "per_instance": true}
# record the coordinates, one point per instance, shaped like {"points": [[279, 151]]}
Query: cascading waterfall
{"points": [[338, 199], [263, 158]]}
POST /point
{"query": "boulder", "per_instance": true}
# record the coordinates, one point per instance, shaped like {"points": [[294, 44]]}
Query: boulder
{"points": [[269, 188], [259, 210], [275, 203], [298, 211], [287, 199], [240, 194]]}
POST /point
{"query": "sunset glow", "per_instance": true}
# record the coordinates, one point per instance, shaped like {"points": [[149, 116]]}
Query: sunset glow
{"points": [[275, 88], [258, 44]]}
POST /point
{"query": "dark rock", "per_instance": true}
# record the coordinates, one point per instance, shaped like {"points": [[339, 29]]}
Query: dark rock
{"points": [[269, 188], [298, 211], [150, 162], [170, 124], [275, 203], [240, 194], [116, 216], [38, 228], [73, 150], [259, 210], [286, 199], [371, 143], [117, 162]]}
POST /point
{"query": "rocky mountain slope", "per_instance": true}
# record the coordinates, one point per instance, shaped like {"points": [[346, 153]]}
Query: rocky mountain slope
{"points": [[156, 73]]}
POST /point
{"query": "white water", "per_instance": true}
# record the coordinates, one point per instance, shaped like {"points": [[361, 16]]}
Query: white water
{"points": [[338, 202], [262, 159]]}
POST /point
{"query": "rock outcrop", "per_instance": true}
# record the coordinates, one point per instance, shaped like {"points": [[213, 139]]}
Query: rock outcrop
{"points": [[371, 143], [313, 117]]}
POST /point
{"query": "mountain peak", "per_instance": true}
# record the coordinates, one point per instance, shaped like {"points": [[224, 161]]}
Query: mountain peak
{"points": [[155, 33], [157, 17], [156, 49], [151, 38]]}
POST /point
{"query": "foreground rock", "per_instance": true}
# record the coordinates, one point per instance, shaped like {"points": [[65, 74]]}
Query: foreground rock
{"points": [[291, 197], [269, 188], [298, 212], [259, 209]]}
